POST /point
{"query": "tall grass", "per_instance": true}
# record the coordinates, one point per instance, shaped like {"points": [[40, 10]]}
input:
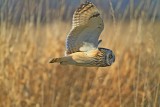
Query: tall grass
{"points": [[28, 80]]}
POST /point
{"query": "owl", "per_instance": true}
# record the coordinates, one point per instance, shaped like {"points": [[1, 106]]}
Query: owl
{"points": [[83, 40]]}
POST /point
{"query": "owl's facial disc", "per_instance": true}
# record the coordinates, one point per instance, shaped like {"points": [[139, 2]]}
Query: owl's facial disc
{"points": [[110, 57]]}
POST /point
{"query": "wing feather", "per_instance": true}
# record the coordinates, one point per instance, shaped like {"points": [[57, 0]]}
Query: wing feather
{"points": [[87, 26]]}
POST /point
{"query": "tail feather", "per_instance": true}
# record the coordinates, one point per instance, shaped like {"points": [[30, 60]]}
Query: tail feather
{"points": [[55, 60]]}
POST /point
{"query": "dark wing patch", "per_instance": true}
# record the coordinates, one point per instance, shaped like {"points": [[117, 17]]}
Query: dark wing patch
{"points": [[96, 15]]}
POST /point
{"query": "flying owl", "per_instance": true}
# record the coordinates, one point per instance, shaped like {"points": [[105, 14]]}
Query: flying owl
{"points": [[82, 41]]}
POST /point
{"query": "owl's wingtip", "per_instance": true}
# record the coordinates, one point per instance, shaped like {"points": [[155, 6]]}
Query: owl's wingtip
{"points": [[54, 60], [51, 61]]}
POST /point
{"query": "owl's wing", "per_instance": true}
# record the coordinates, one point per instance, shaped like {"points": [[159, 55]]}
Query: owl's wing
{"points": [[87, 26]]}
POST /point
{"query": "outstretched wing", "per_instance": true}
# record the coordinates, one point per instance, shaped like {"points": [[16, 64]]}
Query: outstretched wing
{"points": [[87, 26]]}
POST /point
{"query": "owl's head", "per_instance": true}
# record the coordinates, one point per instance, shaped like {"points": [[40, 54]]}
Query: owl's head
{"points": [[108, 56]]}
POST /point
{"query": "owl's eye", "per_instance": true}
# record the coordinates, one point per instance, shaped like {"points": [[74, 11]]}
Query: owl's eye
{"points": [[110, 56]]}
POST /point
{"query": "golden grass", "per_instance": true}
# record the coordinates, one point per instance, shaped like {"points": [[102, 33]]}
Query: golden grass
{"points": [[28, 80]]}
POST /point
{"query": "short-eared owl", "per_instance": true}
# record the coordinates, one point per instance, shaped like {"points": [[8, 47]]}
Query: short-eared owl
{"points": [[82, 41]]}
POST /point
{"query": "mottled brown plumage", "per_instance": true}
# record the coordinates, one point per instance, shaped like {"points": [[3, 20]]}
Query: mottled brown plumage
{"points": [[82, 41]]}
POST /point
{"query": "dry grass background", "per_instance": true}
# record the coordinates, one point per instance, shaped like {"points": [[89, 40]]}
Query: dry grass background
{"points": [[28, 80]]}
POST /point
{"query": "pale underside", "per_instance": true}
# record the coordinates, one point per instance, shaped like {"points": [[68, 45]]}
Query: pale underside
{"points": [[81, 58], [87, 26]]}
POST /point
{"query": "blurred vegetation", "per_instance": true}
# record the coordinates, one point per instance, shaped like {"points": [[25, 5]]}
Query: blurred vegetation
{"points": [[46, 11], [33, 31]]}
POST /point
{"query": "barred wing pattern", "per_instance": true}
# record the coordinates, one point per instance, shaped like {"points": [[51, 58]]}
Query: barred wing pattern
{"points": [[87, 26]]}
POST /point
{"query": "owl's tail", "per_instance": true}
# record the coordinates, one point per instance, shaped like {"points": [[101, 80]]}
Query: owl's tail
{"points": [[55, 60]]}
